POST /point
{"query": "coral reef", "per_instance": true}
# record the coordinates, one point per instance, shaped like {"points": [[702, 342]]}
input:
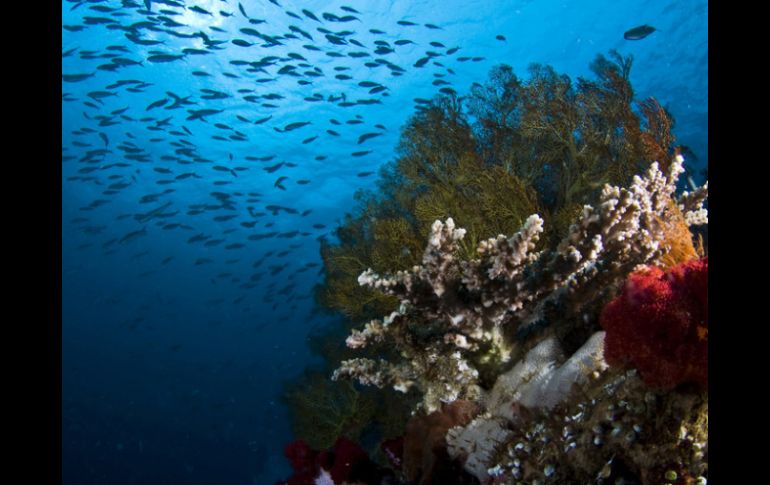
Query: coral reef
{"points": [[568, 348], [454, 314], [659, 325], [508, 149]]}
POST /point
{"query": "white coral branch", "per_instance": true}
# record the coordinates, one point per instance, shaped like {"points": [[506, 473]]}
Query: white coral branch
{"points": [[450, 306]]}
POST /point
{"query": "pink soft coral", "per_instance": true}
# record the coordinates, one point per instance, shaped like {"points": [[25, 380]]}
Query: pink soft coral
{"points": [[659, 325]]}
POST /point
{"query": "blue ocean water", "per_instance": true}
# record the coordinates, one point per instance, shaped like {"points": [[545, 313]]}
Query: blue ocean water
{"points": [[199, 173]]}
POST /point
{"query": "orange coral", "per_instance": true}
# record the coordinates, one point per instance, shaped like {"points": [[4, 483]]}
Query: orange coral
{"points": [[678, 243]]}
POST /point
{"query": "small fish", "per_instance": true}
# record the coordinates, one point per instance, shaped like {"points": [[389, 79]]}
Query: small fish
{"points": [[278, 182], [201, 113], [364, 174], [157, 104], [132, 235], [367, 136], [200, 10], [273, 168], [294, 126], [639, 33], [73, 78], [310, 14], [240, 7], [164, 58], [198, 238], [500, 38]]}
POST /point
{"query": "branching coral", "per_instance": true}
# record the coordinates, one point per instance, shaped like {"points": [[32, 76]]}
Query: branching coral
{"points": [[586, 183], [545, 145], [452, 312]]}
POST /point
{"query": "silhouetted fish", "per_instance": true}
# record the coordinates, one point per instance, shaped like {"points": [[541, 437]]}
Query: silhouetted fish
{"points": [[73, 78], [639, 33]]}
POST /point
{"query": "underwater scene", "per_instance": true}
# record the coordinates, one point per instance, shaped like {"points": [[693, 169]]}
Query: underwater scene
{"points": [[384, 242]]}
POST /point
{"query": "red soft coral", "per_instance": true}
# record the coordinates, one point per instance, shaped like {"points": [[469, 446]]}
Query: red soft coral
{"points": [[303, 462], [346, 462], [659, 325], [347, 456]]}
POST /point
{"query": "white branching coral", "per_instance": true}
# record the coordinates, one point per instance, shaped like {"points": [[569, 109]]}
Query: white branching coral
{"points": [[452, 312], [691, 205]]}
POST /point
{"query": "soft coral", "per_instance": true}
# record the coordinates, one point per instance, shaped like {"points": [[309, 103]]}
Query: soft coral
{"points": [[659, 325], [346, 462]]}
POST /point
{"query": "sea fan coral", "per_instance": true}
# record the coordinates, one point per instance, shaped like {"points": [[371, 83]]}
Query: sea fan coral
{"points": [[659, 325]]}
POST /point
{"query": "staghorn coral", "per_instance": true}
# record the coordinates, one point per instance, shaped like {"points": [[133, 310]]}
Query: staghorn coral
{"points": [[659, 325], [455, 313]]}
